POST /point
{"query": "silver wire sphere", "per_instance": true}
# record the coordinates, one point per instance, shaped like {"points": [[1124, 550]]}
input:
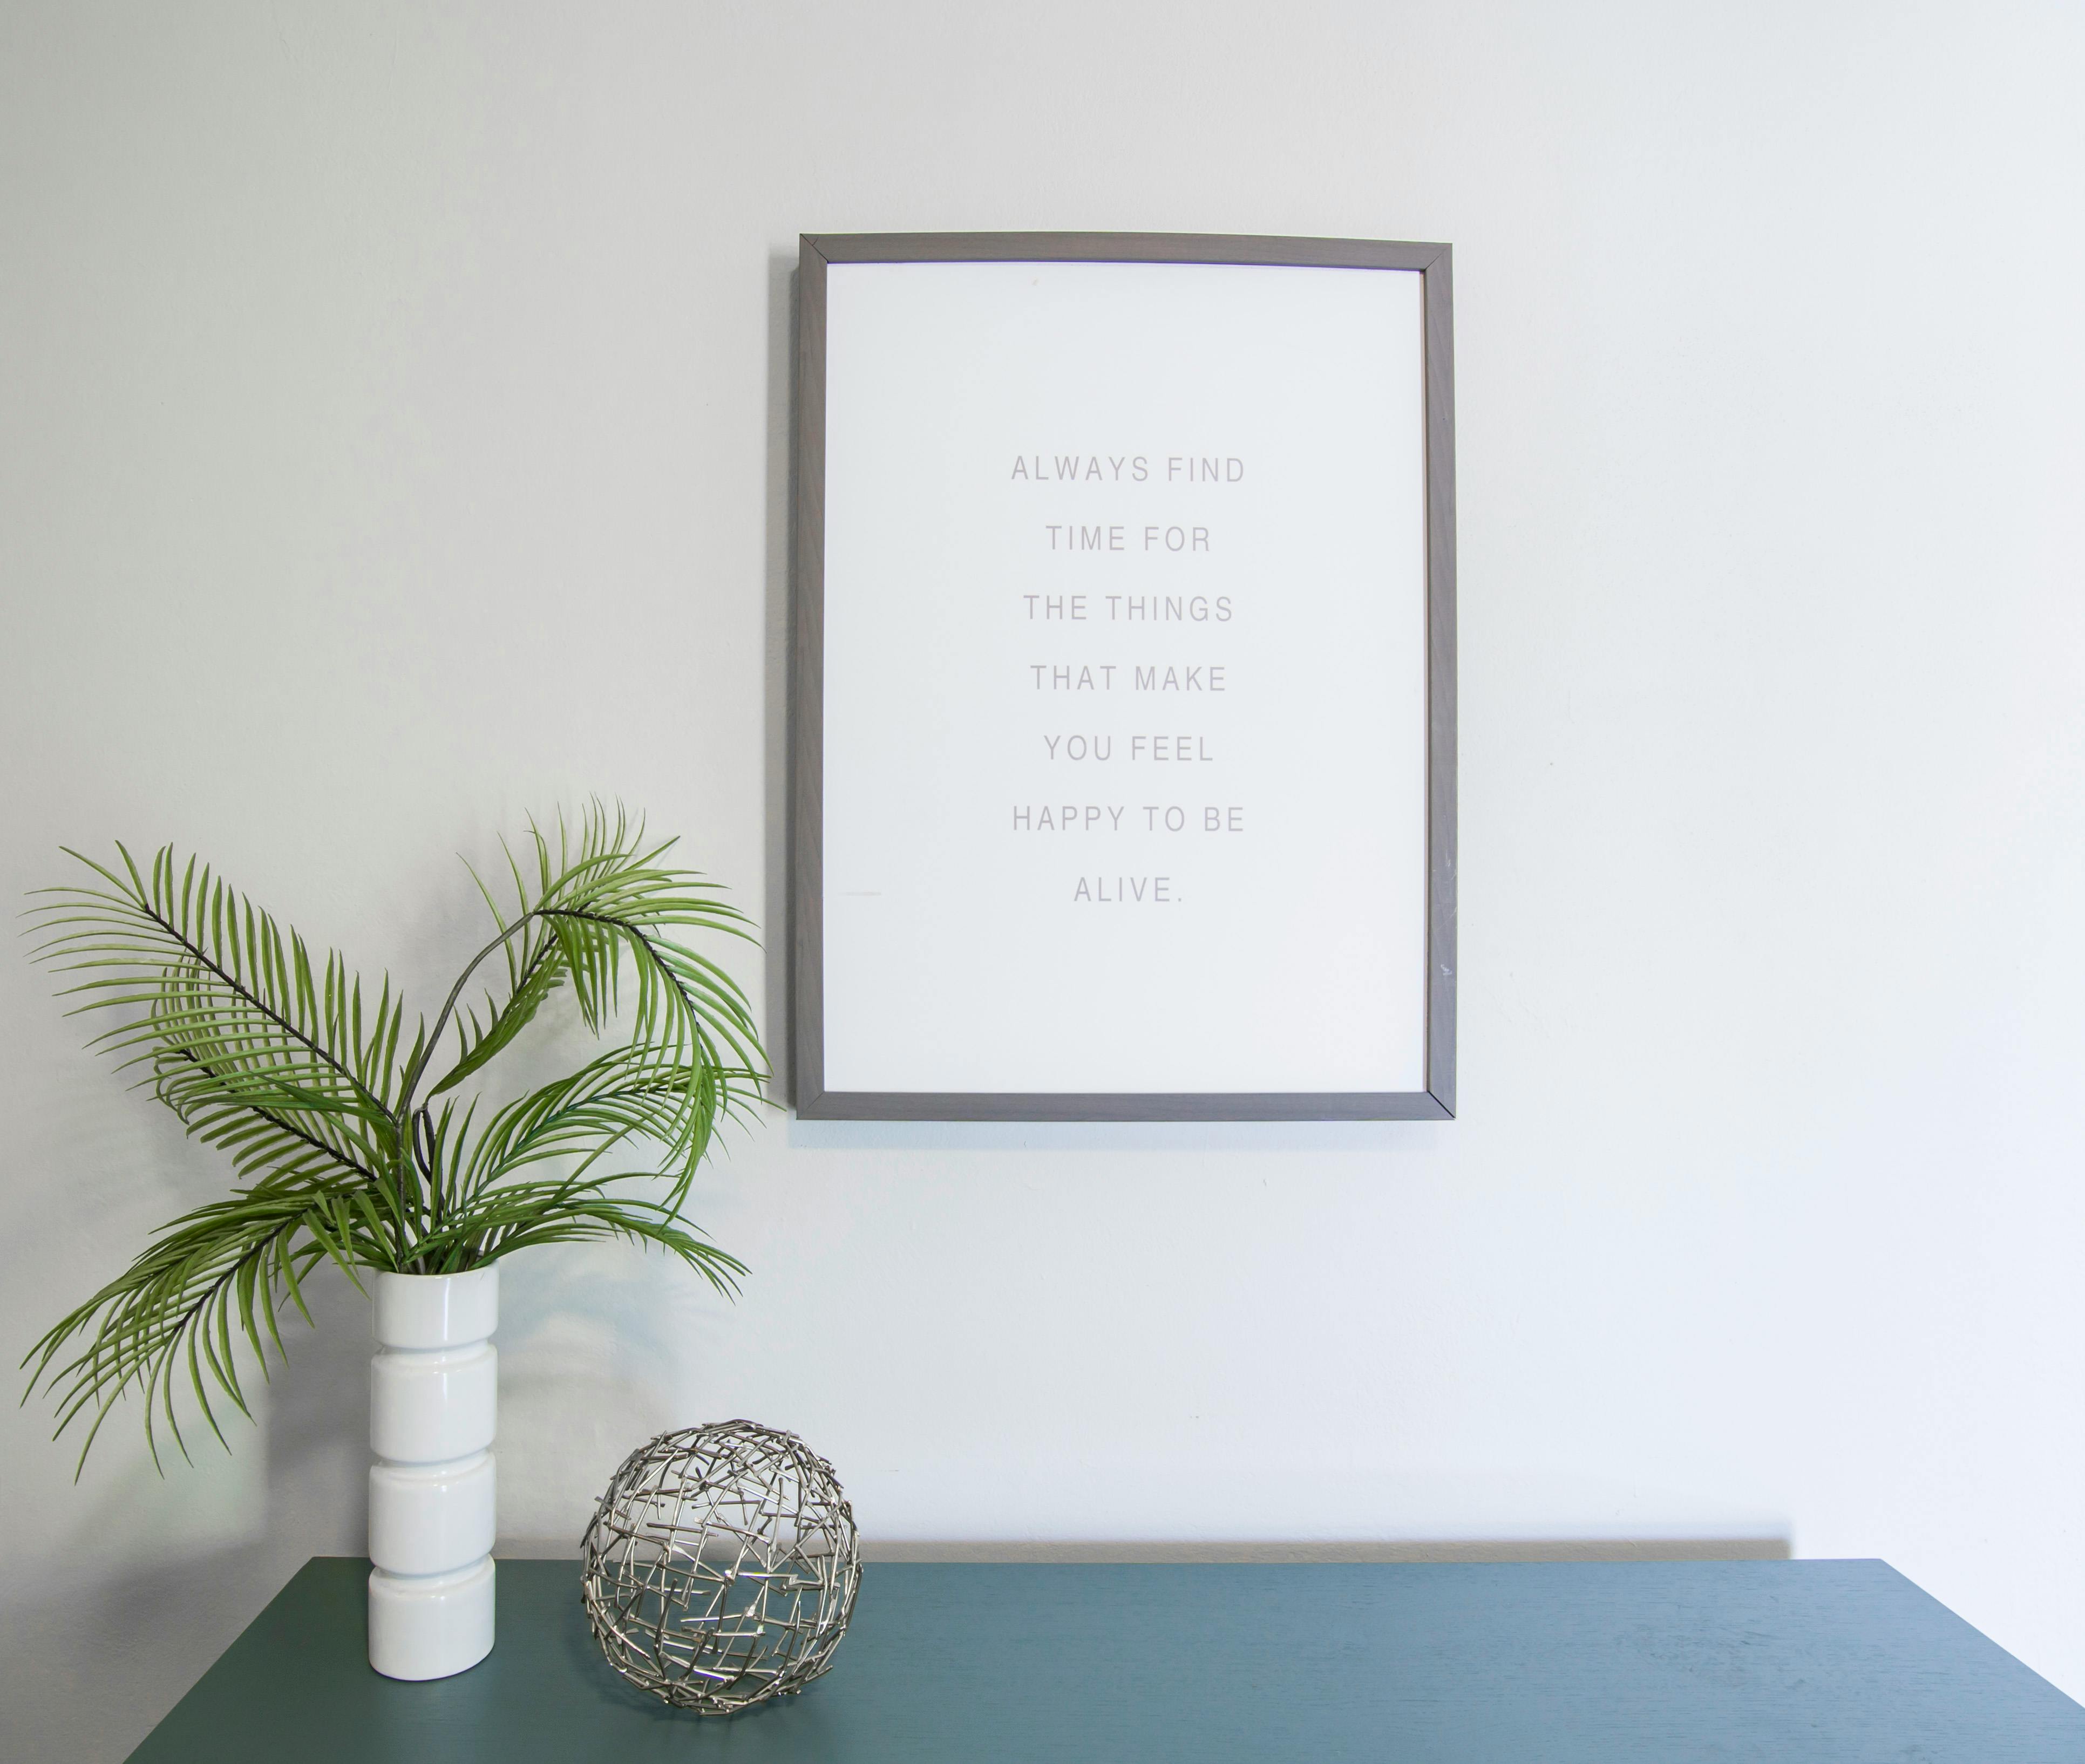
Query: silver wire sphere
{"points": [[721, 1567]]}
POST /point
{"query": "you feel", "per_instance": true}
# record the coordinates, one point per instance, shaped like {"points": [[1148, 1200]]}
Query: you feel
{"points": [[1169, 749]]}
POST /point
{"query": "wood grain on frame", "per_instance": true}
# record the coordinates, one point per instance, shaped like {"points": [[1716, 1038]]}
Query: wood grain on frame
{"points": [[812, 1099]]}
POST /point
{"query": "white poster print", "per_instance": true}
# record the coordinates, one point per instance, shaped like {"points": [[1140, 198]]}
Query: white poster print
{"points": [[1125, 679]]}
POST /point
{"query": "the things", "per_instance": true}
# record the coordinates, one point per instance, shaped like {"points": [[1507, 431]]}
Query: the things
{"points": [[1129, 608]]}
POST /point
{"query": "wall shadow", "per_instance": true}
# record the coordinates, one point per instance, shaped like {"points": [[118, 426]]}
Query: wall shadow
{"points": [[111, 1653], [780, 932], [1405, 1136], [1767, 1549]]}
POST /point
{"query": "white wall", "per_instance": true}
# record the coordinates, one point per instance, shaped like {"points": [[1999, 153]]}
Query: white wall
{"points": [[392, 441]]}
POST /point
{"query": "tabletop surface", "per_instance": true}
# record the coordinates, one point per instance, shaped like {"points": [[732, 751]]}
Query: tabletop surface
{"points": [[1417, 1663]]}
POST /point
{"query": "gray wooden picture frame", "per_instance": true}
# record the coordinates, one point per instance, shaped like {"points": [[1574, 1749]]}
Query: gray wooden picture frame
{"points": [[812, 1099]]}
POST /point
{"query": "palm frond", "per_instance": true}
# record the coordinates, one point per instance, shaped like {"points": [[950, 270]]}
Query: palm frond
{"points": [[230, 1019], [171, 1312], [522, 1215], [601, 895]]}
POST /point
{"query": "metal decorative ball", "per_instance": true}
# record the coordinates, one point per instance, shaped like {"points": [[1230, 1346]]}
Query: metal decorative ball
{"points": [[720, 1566]]}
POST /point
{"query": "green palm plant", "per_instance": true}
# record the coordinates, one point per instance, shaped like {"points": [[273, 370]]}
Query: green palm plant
{"points": [[355, 1145]]}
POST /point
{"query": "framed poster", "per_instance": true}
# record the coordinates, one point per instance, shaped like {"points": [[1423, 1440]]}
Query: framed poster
{"points": [[1123, 720]]}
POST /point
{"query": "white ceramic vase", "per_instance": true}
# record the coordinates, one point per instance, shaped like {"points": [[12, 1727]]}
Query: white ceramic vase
{"points": [[433, 1407]]}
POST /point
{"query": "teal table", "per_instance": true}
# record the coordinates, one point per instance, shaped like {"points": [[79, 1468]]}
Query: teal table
{"points": [[964, 1664]]}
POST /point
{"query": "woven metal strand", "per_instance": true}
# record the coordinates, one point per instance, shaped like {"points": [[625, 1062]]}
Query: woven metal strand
{"points": [[721, 1568]]}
